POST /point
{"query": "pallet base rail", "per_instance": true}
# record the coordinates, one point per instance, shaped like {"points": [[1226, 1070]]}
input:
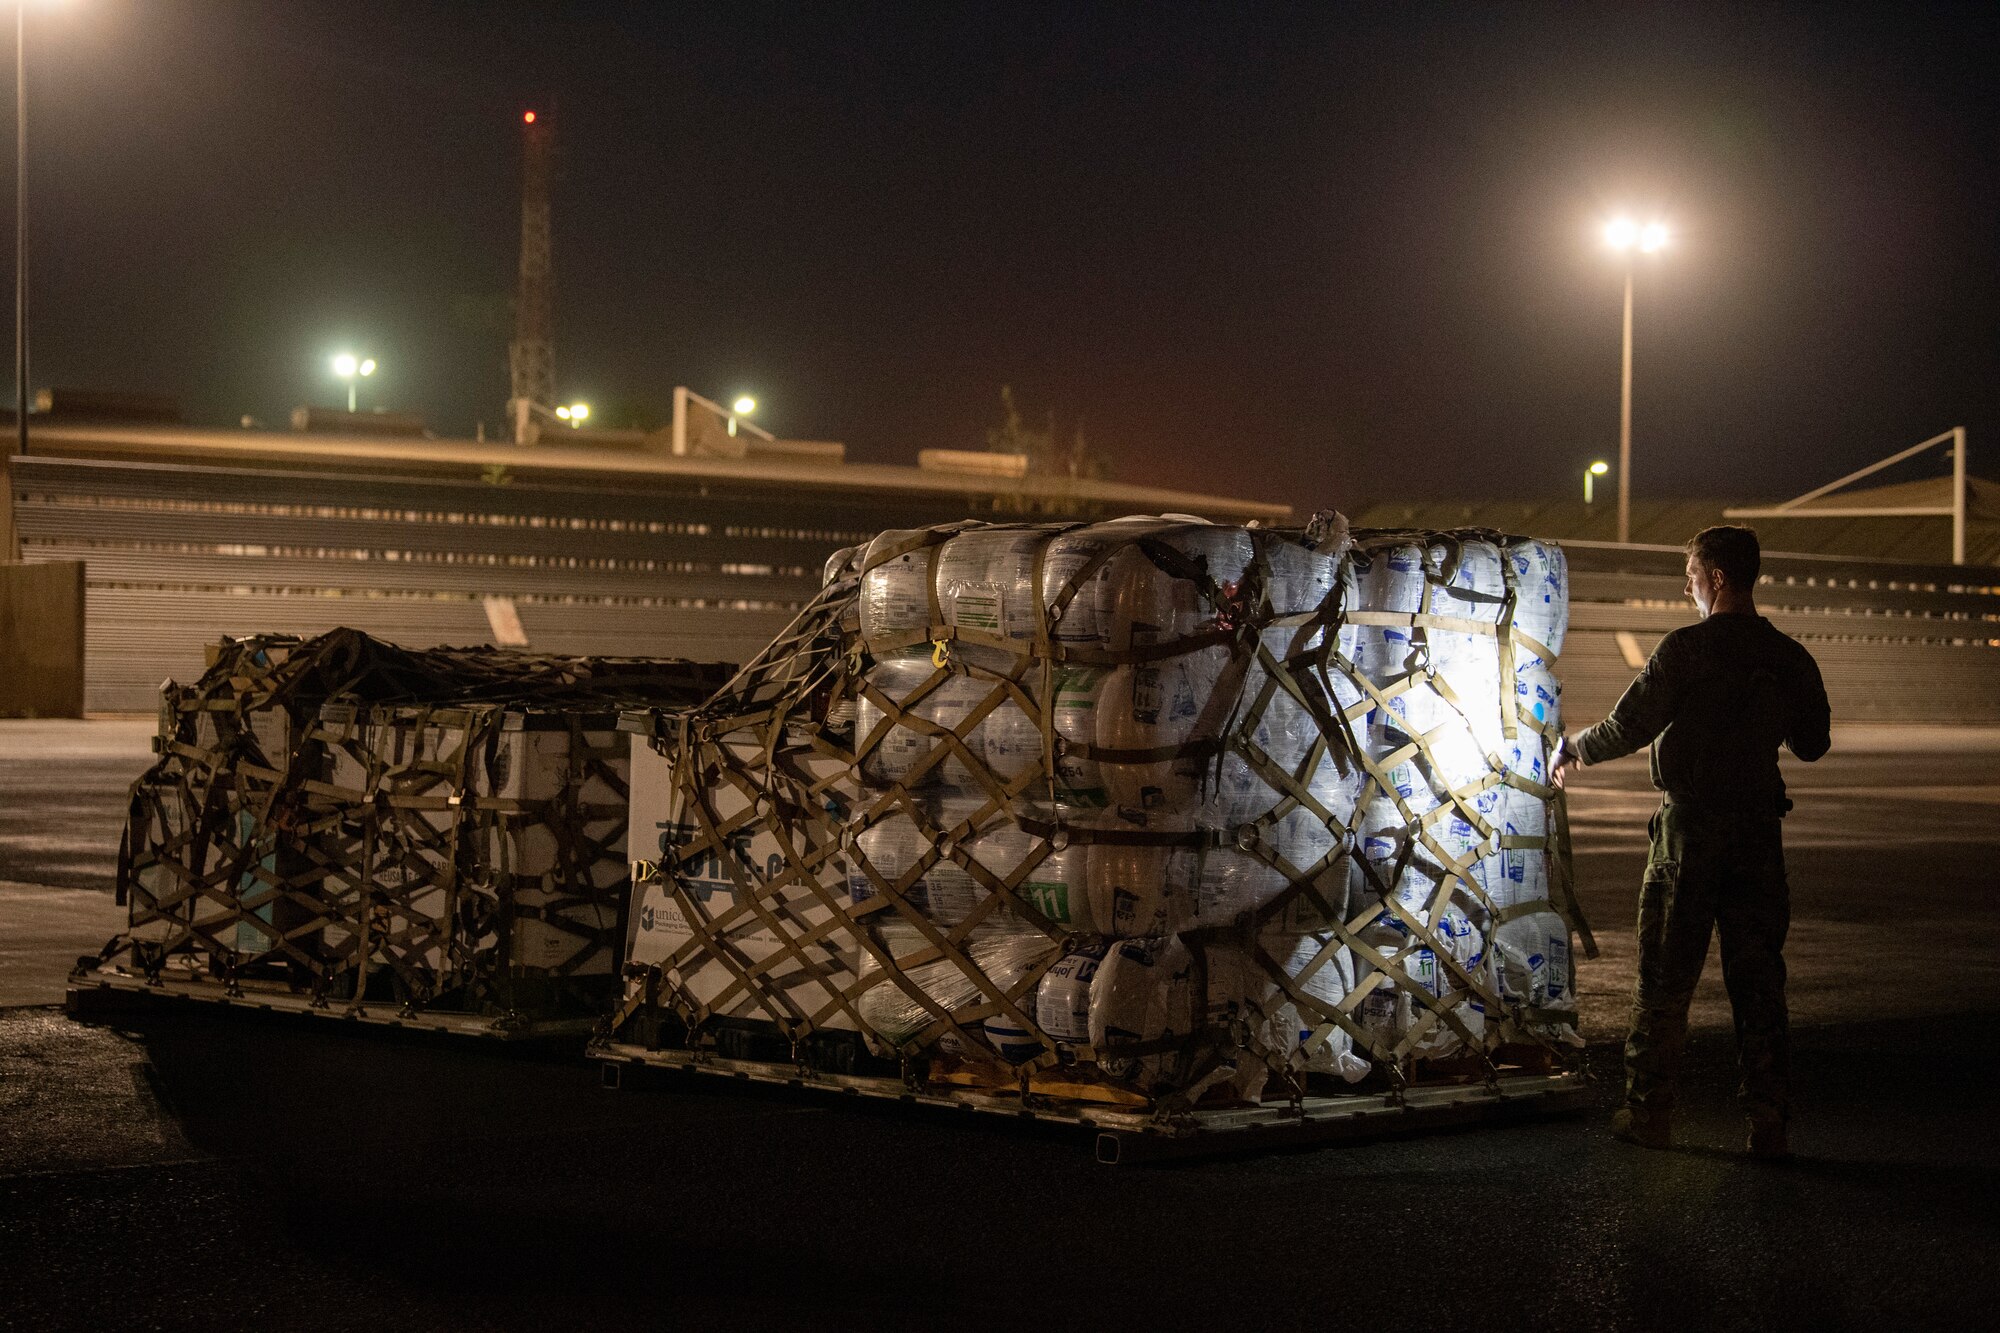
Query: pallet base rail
{"points": [[1136, 1135], [100, 992]]}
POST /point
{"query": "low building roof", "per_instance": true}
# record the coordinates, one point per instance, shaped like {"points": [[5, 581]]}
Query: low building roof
{"points": [[407, 457]]}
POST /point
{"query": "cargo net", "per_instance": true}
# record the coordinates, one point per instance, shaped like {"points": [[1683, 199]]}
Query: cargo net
{"points": [[352, 821], [1184, 809]]}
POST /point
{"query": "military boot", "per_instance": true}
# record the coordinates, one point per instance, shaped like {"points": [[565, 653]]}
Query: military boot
{"points": [[1768, 1141], [1648, 1130]]}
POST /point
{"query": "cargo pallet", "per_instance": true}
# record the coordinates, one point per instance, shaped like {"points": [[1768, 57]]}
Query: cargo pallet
{"points": [[102, 992], [1131, 1134]]}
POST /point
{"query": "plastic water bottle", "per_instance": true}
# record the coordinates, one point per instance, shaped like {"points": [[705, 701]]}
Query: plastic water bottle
{"points": [[1541, 593], [985, 583], [895, 591], [1143, 993], [902, 748], [1062, 1000]]}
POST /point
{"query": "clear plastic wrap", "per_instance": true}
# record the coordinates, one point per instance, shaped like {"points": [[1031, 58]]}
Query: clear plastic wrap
{"points": [[1002, 962], [1226, 805], [1143, 996]]}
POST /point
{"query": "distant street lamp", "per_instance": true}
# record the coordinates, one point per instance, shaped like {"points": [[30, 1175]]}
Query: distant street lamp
{"points": [[1626, 236], [347, 366], [575, 414], [1590, 475], [742, 407]]}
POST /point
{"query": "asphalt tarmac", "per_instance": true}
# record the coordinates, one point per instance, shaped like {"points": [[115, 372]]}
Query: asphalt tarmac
{"points": [[229, 1170]]}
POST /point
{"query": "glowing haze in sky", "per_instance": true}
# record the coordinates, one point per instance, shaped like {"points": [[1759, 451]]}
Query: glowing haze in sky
{"points": [[1320, 255]]}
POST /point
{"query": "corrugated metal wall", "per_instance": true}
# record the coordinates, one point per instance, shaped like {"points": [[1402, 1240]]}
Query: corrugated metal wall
{"points": [[1895, 643], [179, 555]]}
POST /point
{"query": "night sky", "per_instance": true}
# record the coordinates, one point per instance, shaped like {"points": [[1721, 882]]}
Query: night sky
{"points": [[1321, 255]]}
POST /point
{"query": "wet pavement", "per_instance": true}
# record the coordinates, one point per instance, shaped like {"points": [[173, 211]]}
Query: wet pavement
{"points": [[238, 1171], [207, 1170], [63, 789], [43, 932], [63, 792], [1893, 855]]}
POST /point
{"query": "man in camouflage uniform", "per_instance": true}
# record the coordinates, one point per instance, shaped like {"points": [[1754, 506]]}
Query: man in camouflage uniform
{"points": [[1715, 702]]}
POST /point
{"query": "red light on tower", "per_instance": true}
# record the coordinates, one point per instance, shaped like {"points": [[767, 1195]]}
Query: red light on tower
{"points": [[527, 117]]}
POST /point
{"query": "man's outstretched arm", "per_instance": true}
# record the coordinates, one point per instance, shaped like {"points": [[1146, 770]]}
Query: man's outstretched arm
{"points": [[1810, 734], [1643, 711]]}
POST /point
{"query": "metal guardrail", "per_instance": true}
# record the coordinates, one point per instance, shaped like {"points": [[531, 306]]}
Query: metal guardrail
{"points": [[178, 555]]}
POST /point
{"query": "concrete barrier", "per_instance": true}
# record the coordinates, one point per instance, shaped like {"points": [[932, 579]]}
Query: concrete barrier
{"points": [[41, 639]]}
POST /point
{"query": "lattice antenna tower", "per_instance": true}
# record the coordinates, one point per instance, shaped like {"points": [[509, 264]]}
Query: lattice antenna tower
{"points": [[531, 357]]}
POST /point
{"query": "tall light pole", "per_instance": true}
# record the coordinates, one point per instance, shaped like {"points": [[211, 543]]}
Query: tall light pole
{"points": [[21, 224], [347, 366], [1626, 236], [10, 539]]}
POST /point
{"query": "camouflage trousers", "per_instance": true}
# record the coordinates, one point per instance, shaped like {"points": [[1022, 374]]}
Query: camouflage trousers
{"points": [[1712, 872]]}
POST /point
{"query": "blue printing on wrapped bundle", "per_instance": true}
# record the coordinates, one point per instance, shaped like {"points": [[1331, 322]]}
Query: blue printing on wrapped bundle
{"points": [[1556, 989], [1551, 584], [1543, 698]]}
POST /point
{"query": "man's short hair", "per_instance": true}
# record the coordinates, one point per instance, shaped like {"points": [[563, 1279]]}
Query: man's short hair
{"points": [[1734, 551]]}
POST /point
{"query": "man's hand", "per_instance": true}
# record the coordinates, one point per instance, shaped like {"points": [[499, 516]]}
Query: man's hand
{"points": [[1566, 758]]}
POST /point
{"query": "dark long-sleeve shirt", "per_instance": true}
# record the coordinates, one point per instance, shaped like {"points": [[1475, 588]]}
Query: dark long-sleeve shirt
{"points": [[1715, 702]]}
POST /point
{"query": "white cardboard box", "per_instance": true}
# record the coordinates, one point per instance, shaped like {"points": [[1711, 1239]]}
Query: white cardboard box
{"points": [[659, 932]]}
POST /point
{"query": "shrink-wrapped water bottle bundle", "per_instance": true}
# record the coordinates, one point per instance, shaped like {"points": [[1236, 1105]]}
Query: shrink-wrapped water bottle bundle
{"points": [[1188, 807]]}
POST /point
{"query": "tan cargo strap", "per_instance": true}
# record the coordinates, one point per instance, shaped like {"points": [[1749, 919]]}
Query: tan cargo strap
{"points": [[816, 821]]}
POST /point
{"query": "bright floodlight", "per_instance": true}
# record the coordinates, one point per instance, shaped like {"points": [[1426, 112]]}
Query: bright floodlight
{"points": [[367, 367], [345, 365], [745, 405], [578, 412], [1625, 234], [1590, 476], [563, 412]]}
